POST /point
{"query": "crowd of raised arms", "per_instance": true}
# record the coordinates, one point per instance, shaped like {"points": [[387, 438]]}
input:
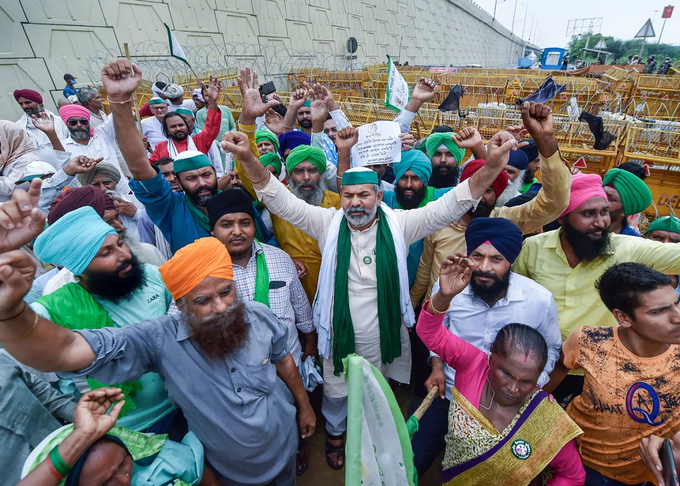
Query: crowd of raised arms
{"points": [[172, 301]]}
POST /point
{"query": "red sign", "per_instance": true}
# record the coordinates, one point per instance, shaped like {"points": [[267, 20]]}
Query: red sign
{"points": [[580, 163], [667, 12]]}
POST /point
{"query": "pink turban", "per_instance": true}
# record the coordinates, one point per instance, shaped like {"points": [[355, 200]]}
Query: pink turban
{"points": [[583, 188], [69, 111], [29, 94]]}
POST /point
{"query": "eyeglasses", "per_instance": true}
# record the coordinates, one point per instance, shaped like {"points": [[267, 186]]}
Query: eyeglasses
{"points": [[73, 122]]}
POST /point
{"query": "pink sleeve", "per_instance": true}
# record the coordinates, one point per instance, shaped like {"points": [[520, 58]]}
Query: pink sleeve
{"points": [[455, 352], [567, 467]]}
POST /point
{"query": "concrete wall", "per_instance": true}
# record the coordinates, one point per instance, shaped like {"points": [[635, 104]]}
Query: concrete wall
{"points": [[40, 40]]}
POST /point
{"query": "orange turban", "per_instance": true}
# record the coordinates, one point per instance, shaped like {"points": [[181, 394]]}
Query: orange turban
{"points": [[205, 257]]}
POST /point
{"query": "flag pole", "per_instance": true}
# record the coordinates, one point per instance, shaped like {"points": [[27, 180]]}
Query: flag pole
{"points": [[134, 94]]}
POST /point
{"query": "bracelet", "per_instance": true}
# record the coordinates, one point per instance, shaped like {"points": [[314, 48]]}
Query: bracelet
{"points": [[255, 183], [53, 469], [288, 128], [14, 317], [118, 102], [35, 323], [240, 127], [434, 310], [59, 465]]}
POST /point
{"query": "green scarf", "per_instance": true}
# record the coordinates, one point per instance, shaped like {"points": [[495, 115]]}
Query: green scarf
{"points": [[389, 307], [262, 277], [200, 217], [527, 186], [73, 307], [429, 197]]}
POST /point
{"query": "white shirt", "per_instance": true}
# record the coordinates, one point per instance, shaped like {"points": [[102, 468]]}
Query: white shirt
{"points": [[102, 144], [152, 129], [525, 302], [98, 119], [38, 137], [187, 104]]}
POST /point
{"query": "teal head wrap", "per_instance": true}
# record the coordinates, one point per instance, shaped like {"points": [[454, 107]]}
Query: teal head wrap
{"points": [[73, 240], [436, 140], [415, 161], [359, 175], [191, 160]]}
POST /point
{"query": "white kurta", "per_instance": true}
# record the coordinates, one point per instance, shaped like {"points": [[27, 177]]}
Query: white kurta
{"points": [[153, 131], [363, 288], [43, 147]]}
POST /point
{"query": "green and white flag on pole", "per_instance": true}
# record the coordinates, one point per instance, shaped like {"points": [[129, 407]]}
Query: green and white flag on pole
{"points": [[379, 449], [398, 93], [176, 50]]}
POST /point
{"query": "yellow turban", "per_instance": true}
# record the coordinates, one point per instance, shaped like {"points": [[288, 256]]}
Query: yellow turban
{"points": [[205, 257]]}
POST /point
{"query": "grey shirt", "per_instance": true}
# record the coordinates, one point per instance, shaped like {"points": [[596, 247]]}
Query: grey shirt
{"points": [[28, 407], [237, 406]]}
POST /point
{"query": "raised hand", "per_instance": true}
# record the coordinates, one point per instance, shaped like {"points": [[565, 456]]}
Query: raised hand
{"points": [[274, 122], [298, 98], [468, 138], [118, 82], [253, 106], [538, 120], [319, 107], [407, 141], [425, 90], [238, 144], [454, 276], [90, 419], [81, 165], [346, 139], [499, 147], [20, 218], [44, 122], [518, 131], [16, 277], [211, 91]]}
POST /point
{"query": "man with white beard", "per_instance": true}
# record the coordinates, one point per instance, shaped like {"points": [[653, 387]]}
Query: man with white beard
{"points": [[516, 168]]}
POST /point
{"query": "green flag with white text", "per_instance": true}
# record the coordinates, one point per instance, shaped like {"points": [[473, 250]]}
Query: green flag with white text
{"points": [[398, 93]]}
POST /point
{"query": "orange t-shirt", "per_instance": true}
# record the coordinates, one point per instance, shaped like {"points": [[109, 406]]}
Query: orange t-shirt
{"points": [[624, 399]]}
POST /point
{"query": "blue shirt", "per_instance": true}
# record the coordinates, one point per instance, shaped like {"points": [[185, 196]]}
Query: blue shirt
{"points": [[237, 406], [69, 91], [628, 231], [416, 249]]}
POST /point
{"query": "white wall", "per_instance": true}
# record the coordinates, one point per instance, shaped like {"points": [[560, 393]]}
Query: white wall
{"points": [[40, 40]]}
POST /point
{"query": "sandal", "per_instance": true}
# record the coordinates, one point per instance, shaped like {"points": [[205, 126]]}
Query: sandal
{"points": [[335, 449], [301, 447]]}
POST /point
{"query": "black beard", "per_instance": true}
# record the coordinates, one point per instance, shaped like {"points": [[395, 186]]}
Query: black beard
{"points": [[110, 286], [493, 293], [201, 200], [306, 124], [79, 133], [413, 201], [442, 178], [221, 334], [585, 247], [483, 210], [528, 176], [179, 136]]}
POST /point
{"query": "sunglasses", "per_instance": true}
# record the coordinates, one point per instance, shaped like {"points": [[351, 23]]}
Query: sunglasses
{"points": [[75, 121]]}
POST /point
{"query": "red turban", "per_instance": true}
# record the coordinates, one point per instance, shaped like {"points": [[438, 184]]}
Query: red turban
{"points": [[473, 166], [72, 199], [29, 94], [68, 111]]}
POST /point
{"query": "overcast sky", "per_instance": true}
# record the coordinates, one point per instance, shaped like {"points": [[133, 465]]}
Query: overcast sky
{"points": [[621, 18]]}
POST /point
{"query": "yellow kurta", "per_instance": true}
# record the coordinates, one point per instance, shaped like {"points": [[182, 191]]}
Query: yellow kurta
{"points": [[551, 200], [299, 245]]}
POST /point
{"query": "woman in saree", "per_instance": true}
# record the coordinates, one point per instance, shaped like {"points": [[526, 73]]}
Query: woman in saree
{"points": [[502, 428]]}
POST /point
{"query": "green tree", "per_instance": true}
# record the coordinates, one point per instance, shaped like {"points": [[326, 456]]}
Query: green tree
{"points": [[620, 49]]}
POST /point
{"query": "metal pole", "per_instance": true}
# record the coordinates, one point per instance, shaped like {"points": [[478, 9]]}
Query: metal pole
{"points": [[512, 30], [644, 39], [524, 24], [662, 27], [495, 4]]}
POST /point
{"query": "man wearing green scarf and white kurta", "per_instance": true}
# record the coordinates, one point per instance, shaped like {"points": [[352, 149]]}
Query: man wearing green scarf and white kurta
{"points": [[362, 303]]}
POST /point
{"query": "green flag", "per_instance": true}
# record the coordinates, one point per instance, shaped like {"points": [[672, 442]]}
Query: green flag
{"points": [[398, 93]]}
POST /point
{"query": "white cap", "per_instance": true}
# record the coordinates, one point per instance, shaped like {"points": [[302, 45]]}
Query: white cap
{"points": [[35, 169]]}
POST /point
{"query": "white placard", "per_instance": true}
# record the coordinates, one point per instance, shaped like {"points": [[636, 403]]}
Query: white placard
{"points": [[378, 144]]}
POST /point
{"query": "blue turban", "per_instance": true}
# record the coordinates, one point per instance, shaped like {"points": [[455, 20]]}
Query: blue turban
{"points": [[503, 234], [290, 140], [73, 240], [518, 160], [531, 150], [415, 161]]}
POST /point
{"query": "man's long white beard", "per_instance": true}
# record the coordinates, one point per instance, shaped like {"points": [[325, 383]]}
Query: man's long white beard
{"points": [[313, 197], [512, 190]]}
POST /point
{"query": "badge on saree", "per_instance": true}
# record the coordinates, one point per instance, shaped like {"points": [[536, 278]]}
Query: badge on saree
{"points": [[367, 260], [521, 449]]}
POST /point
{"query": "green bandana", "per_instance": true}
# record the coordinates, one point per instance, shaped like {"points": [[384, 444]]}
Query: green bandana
{"points": [[184, 111], [359, 175], [389, 307], [261, 277], [191, 160], [667, 223], [73, 307], [303, 153], [527, 186], [272, 159], [156, 101], [436, 140], [267, 136], [634, 193]]}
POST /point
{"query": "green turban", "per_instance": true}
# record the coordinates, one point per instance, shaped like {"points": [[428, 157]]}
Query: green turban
{"points": [[267, 136], [436, 140], [308, 103], [415, 161], [307, 153], [634, 193], [191, 160], [667, 223], [272, 159], [359, 175], [184, 111]]}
